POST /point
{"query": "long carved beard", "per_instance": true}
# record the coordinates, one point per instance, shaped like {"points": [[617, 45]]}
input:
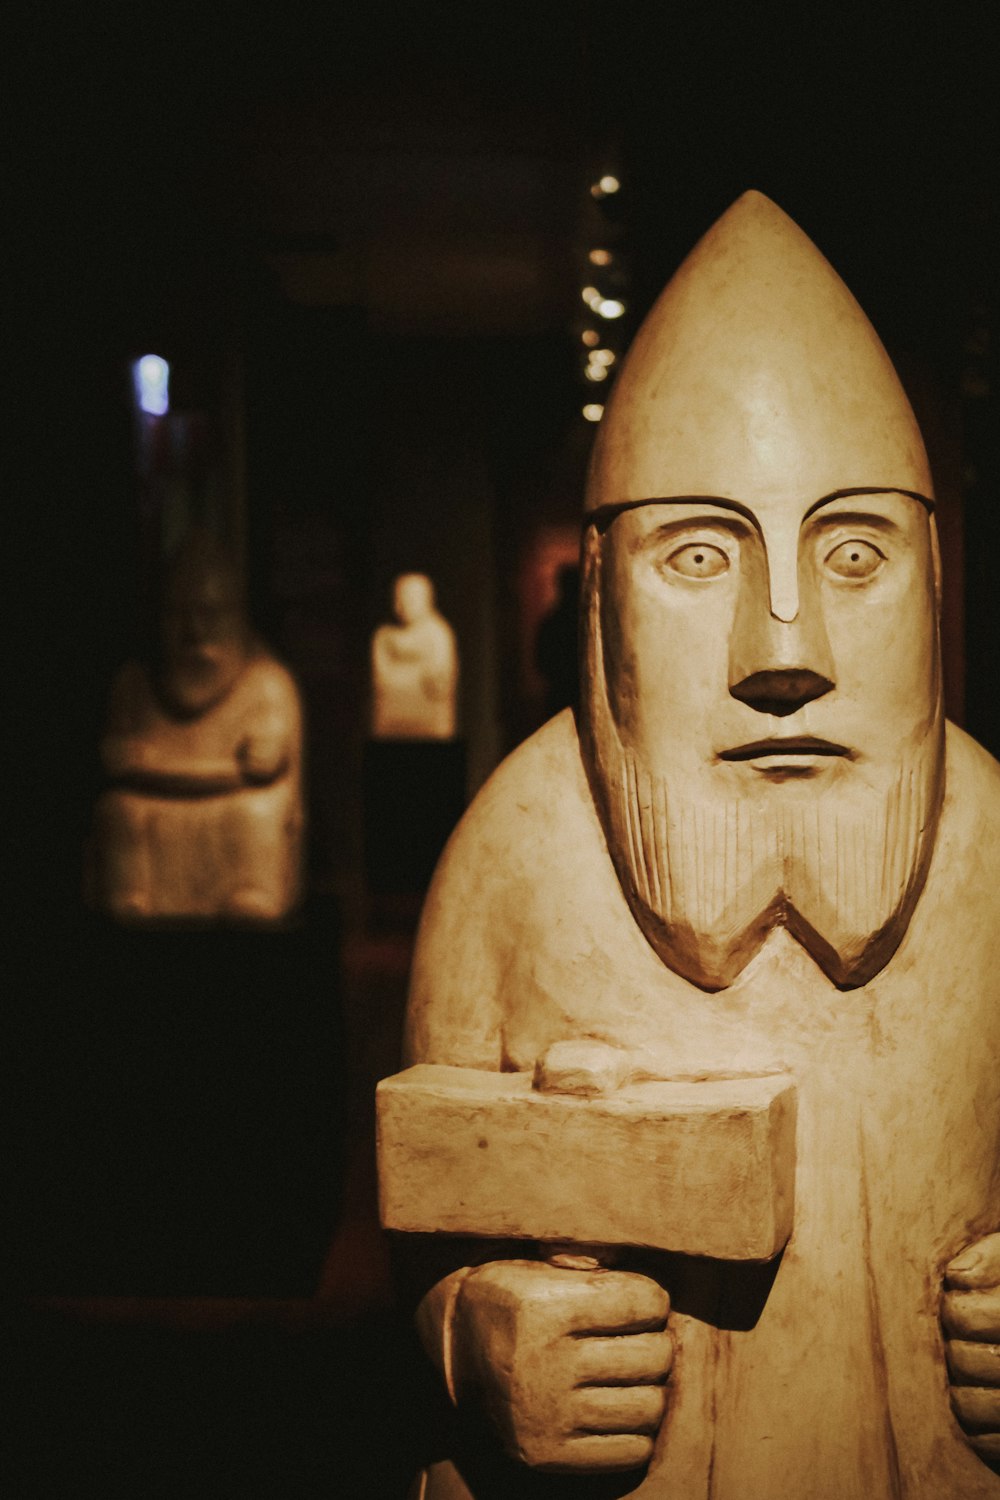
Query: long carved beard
{"points": [[709, 876]]}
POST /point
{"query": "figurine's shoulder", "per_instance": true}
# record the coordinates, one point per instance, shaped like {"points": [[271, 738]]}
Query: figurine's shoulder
{"points": [[973, 777], [530, 799], [270, 682], [525, 833], [968, 842], [442, 627]]}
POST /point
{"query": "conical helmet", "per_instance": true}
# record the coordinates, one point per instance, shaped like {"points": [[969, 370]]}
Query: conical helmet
{"points": [[755, 376]]}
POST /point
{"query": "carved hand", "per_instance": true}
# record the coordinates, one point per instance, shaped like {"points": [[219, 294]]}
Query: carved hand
{"points": [[262, 756], [971, 1316], [569, 1365], [436, 685]]}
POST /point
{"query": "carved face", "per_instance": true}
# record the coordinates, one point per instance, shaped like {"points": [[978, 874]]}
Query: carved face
{"points": [[726, 630], [764, 723], [203, 639], [412, 598]]}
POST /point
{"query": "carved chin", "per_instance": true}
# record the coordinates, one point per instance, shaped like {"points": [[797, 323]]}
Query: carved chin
{"points": [[708, 881]]}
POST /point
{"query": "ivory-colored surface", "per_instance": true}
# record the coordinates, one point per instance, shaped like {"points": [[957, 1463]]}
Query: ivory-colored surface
{"points": [[761, 676], [747, 376], [414, 667], [840, 1390], [762, 852], [203, 816], [512, 1161]]}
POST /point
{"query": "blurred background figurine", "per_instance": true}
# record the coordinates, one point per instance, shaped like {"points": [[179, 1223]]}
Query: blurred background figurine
{"points": [[202, 817], [414, 667]]}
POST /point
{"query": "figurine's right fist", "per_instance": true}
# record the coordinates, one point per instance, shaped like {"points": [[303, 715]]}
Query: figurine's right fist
{"points": [[970, 1312], [569, 1365]]}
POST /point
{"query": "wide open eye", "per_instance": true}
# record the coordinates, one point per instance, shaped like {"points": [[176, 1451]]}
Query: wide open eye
{"points": [[854, 559], [698, 560]]}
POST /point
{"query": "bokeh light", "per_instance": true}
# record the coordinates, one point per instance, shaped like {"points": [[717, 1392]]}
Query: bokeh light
{"points": [[151, 379]]}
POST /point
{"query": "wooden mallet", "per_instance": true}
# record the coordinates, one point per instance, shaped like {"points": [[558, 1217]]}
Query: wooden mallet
{"points": [[575, 1157]]}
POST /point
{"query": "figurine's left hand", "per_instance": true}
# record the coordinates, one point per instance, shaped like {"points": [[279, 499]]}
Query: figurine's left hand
{"points": [[262, 757], [970, 1314]]}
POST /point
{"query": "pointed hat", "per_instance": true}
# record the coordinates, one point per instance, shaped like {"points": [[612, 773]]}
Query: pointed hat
{"points": [[755, 376]]}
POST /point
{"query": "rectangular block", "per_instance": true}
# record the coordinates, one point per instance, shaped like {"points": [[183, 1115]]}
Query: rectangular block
{"points": [[703, 1168]]}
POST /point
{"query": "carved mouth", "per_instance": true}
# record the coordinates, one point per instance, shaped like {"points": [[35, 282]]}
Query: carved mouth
{"points": [[792, 745]]}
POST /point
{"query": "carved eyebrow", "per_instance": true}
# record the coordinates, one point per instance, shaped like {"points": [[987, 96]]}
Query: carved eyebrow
{"points": [[603, 515], [868, 518], [668, 529], [872, 489]]}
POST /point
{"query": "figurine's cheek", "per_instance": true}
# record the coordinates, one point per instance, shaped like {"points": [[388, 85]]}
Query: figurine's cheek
{"points": [[671, 682]]}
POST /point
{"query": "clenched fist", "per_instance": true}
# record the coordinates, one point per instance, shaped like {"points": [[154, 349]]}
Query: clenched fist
{"points": [[971, 1316], [569, 1365], [263, 756]]}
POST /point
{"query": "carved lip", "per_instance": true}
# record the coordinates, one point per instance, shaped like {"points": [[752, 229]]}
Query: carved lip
{"points": [[798, 745]]}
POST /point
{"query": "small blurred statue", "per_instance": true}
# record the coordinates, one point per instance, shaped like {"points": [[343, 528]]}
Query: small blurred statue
{"points": [[203, 815], [414, 667]]}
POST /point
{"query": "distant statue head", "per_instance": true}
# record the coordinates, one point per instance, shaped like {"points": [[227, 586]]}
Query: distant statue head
{"points": [[763, 722], [203, 633], [412, 598]]}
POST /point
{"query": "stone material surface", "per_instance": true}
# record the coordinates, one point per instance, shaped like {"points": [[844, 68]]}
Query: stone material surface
{"points": [[202, 817], [761, 851], [414, 667], [716, 1159], [752, 364]]}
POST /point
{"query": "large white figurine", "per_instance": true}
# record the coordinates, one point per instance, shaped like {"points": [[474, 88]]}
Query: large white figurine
{"points": [[203, 814], [766, 871], [414, 667]]}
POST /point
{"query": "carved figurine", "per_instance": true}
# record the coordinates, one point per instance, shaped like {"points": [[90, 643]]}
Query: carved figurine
{"points": [[761, 875], [414, 667], [203, 815]]}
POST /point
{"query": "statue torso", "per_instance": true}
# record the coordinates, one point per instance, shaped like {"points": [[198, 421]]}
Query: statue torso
{"points": [[203, 815], [413, 680], [262, 700], [837, 1390]]}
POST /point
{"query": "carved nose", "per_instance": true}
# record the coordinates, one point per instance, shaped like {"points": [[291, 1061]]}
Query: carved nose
{"points": [[782, 690]]}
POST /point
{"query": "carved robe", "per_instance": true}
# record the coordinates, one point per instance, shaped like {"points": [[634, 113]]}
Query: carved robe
{"points": [[834, 1387]]}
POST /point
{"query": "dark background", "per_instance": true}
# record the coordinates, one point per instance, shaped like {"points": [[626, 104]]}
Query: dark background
{"points": [[356, 232]]}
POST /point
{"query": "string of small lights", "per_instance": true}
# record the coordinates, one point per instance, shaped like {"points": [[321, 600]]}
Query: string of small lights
{"points": [[604, 292]]}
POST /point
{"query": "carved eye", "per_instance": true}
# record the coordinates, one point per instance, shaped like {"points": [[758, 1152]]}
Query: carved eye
{"points": [[698, 560], [854, 559]]}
